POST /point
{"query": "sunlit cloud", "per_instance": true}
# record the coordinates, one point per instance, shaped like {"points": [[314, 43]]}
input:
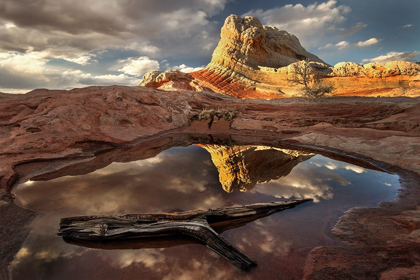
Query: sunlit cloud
{"points": [[393, 56], [370, 42], [187, 69], [82, 60], [303, 20], [138, 66], [327, 46], [342, 44]]}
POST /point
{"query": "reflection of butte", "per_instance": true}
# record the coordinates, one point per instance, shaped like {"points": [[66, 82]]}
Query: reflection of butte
{"points": [[242, 167]]}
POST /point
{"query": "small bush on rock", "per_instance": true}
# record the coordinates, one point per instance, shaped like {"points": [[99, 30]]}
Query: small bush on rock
{"points": [[312, 85]]}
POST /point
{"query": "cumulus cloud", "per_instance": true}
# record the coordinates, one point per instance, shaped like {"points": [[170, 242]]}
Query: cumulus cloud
{"points": [[327, 46], [141, 47], [20, 73], [76, 30], [30, 63], [82, 60], [138, 66], [342, 44], [345, 44], [370, 42], [393, 56], [187, 69], [304, 20], [81, 78], [89, 25], [354, 29]]}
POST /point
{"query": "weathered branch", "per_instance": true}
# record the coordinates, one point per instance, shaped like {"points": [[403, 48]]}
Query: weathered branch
{"points": [[198, 224]]}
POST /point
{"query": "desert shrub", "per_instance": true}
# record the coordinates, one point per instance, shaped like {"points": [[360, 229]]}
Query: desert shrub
{"points": [[312, 85], [212, 114]]}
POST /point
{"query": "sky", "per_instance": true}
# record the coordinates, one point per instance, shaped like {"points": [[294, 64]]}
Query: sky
{"points": [[63, 44]]}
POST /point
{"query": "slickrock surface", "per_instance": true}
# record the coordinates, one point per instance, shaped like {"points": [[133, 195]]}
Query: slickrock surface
{"points": [[242, 167], [255, 61], [45, 134]]}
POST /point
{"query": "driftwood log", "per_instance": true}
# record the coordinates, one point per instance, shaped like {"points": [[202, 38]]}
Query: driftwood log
{"points": [[201, 225]]}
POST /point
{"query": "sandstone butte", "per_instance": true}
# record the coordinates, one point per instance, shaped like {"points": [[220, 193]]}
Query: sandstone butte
{"points": [[255, 61], [50, 133]]}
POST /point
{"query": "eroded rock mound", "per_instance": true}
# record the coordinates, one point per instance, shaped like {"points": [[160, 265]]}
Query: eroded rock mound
{"points": [[242, 167], [245, 42], [171, 80], [376, 70]]}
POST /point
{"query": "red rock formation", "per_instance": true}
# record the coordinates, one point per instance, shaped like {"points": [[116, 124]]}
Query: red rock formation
{"points": [[255, 61]]}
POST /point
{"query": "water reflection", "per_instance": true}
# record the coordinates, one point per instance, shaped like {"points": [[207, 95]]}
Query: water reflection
{"points": [[182, 179], [242, 167]]}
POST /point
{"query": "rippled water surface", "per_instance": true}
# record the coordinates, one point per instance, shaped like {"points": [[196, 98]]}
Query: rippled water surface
{"points": [[186, 178]]}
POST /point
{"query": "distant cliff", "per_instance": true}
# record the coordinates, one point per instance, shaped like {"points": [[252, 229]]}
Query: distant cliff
{"points": [[255, 61]]}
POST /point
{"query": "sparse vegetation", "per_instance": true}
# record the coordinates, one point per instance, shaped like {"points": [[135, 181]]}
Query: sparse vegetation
{"points": [[214, 115], [312, 84]]}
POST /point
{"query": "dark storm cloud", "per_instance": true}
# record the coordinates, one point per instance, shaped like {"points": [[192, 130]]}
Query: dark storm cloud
{"points": [[55, 20], [69, 16]]}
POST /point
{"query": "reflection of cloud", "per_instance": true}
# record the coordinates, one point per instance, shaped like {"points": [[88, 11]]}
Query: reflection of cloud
{"points": [[335, 165], [354, 168], [340, 179], [271, 244], [198, 270], [311, 179], [297, 185], [28, 183], [331, 166], [175, 180], [166, 182], [23, 252], [146, 185], [149, 258]]}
